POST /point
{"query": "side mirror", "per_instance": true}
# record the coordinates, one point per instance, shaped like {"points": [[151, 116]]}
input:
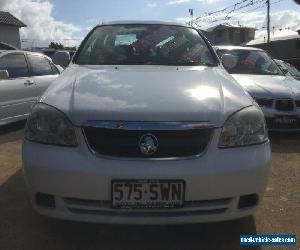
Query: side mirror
{"points": [[229, 61], [61, 58], [4, 74]]}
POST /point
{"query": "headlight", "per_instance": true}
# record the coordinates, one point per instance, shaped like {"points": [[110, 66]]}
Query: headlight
{"points": [[246, 127], [50, 126]]}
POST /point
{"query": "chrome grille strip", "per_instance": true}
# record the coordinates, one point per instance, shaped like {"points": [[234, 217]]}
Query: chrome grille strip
{"points": [[128, 125], [148, 213], [100, 205]]}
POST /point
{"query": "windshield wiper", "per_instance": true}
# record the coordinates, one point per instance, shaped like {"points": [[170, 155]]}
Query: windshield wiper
{"points": [[210, 64], [173, 63], [191, 63]]}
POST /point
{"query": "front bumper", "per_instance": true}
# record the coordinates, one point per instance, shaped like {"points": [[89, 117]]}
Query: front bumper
{"points": [[80, 182], [271, 114]]}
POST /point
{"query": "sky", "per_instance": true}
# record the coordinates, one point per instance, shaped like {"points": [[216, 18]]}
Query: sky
{"points": [[68, 21]]}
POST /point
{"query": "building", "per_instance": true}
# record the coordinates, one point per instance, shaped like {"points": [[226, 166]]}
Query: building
{"points": [[6, 46], [284, 45], [227, 34], [10, 29]]}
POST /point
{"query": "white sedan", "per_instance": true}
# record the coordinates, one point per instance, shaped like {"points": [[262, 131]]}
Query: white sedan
{"points": [[146, 126], [277, 94], [24, 76]]}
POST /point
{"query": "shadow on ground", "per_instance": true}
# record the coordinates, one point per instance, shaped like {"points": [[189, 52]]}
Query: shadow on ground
{"points": [[12, 132], [285, 142], [33, 231]]}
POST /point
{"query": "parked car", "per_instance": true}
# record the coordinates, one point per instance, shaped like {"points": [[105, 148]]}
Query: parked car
{"points": [[24, 76], [48, 52], [146, 126], [51, 52], [288, 69], [277, 94]]}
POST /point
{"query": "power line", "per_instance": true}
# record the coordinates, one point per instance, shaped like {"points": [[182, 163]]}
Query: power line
{"points": [[256, 8], [246, 11], [245, 4], [230, 14], [229, 8], [226, 8]]}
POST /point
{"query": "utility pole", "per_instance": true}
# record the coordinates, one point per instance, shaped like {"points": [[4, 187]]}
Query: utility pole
{"points": [[268, 20], [191, 11]]}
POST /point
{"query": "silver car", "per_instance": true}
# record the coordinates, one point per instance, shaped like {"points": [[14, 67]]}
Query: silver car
{"points": [[288, 69], [277, 94], [24, 76]]}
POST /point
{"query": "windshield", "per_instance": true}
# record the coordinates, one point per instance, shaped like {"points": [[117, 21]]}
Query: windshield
{"points": [[252, 62], [293, 71], [145, 45]]}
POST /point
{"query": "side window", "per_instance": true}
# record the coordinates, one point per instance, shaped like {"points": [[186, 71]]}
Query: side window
{"points": [[15, 64], [40, 65]]}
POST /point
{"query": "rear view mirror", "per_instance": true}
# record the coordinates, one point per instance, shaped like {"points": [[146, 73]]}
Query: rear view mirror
{"points": [[229, 61], [4, 74], [61, 58]]}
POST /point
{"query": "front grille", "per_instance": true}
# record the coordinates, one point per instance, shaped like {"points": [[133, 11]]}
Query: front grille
{"points": [[264, 102], [190, 208], [148, 213], [284, 105], [273, 124], [105, 204], [125, 143]]}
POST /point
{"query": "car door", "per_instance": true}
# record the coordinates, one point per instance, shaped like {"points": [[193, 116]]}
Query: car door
{"points": [[17, 94], [43, 72]]}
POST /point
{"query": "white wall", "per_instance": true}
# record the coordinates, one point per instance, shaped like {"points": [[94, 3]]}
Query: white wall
{"points": [[10, 34]]}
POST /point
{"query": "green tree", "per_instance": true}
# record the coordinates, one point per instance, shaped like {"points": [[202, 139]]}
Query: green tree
{"points": [[60, 46], [54, 45]]}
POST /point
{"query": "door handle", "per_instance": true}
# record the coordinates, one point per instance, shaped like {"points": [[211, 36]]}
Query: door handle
{"points": [[28, 82]]}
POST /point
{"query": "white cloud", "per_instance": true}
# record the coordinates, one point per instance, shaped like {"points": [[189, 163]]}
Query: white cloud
{"points": [[41, 28], [279, 20], [182, 19], [177, 2], [209, 1], [151, 5]]}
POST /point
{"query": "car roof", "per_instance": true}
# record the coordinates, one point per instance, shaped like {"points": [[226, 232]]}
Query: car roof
{"points": [[5, 52], [18, 50], [142, 22], [229, 47]]}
